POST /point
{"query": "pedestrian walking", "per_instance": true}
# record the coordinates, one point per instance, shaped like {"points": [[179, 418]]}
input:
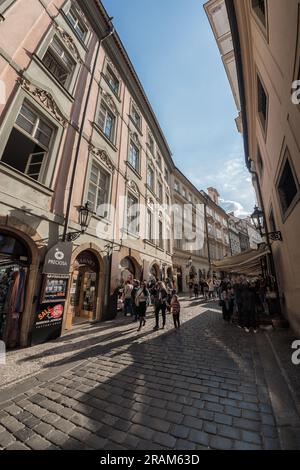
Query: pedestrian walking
{"points": [[191, 286], [196, 290], [211, 289], [247, 307], [160, 304], [142, 301], [205, 289], [227, 303], [127, 298], [136, 286], [175, 309]]}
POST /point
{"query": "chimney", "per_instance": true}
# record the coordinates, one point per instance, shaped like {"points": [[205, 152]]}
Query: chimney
{"points": [[214, 195]]}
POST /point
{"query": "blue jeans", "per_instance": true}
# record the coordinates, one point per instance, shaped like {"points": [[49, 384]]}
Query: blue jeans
{"points": [[127, 306]]}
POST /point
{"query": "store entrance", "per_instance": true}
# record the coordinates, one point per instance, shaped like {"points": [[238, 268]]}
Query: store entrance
{"points": [[14, 264], [84, 288]]}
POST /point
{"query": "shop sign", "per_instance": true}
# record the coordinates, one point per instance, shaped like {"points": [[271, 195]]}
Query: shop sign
{"points": [[58, 259], [48, 324], [86, 258]]}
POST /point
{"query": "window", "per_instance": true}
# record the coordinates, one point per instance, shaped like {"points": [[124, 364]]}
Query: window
{"points": [[259, 7], [150, 178], [262, 103], [150, 143], [59, 62], [134, 156], [136, 117], [149, 225], [159, 160], [29, 143], [77, 23], [5, 4], [112, 80], [168, 240], [159, 191], [98, 186], [260, 162], [107, 121], [190, 198], [160, 234], [184, 192], [287, 187], [176, 186], [166, 175], [132, 214]]}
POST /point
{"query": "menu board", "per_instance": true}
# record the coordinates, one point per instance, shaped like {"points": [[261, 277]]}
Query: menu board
{"points": [[54, 289], [50, 311]]}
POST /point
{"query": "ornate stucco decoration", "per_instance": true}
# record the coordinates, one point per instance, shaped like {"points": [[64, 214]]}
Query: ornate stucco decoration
{"points": [[45, 98], [150, 202], [133, 186], [103, 156], [69, 43], [109, 101], [135, 138]]}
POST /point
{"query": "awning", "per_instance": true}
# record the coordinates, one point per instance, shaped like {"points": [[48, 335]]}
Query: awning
{"points": [[247, 262]]}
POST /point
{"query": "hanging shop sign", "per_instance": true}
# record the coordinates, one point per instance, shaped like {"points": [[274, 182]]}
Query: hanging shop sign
{"points": [[58, 259]]}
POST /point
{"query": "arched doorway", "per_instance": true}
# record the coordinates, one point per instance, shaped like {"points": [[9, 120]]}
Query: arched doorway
{"points": [[84, 287], [15, 260], [154, 273], [128, 270]]}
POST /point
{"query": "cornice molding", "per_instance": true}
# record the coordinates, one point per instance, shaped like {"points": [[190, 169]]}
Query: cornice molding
{"points": [[103, 156], [69, 42]]}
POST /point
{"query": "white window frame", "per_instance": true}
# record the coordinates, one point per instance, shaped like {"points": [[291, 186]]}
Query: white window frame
{"points": [[108, 111], [79, 20], [59, 60], [90, 182], [134, 144]]}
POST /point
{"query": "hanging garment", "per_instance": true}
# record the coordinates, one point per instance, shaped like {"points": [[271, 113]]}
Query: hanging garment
{"points": [[14, 309]]}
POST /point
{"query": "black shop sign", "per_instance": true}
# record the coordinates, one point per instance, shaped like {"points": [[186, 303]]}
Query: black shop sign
{"points": [[58, 259]]}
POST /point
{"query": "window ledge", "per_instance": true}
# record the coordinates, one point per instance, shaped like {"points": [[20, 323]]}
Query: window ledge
{"points": [[53, 78], [22, 178], [133, 235], [99, 130], [133, 169], [149, 242]]}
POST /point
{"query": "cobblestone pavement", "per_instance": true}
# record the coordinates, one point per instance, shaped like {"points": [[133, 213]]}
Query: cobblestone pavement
{"points": [[200, 387]]}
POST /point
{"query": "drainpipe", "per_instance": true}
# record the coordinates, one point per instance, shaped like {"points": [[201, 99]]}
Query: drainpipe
{"points": [[76, 159]]}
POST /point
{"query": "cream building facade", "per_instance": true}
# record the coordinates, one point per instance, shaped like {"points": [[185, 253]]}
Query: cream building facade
{"points": [[262, 39], [190, 253]]}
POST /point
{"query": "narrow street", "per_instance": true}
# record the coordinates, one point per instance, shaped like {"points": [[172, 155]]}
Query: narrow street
{"points": [[208, 385]]}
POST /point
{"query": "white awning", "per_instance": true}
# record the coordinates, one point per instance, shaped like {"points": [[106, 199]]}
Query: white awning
{"points": [[248, 262]]}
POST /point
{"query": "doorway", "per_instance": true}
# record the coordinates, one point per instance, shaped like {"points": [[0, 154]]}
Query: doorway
{"points": [[84, 288]]}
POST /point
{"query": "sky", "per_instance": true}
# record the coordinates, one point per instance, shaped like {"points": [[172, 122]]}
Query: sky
{"points": [[174, 52]]}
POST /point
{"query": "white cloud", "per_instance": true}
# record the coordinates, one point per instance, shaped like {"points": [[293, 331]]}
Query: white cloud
{"points": [[233, 181]]}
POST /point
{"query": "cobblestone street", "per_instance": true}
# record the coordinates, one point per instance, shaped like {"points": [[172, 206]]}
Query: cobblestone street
{"points": [[207, 385]]}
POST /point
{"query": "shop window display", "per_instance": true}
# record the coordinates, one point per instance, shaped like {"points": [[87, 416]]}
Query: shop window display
{"points": [[13, 276]]}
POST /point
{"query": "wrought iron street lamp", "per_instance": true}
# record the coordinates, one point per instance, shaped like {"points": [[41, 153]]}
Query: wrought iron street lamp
{"points": [[85, 215], [258, 220]]}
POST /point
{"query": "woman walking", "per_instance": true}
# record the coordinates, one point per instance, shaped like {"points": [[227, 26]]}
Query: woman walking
{"points": [[175, 307], [142, 301]]}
